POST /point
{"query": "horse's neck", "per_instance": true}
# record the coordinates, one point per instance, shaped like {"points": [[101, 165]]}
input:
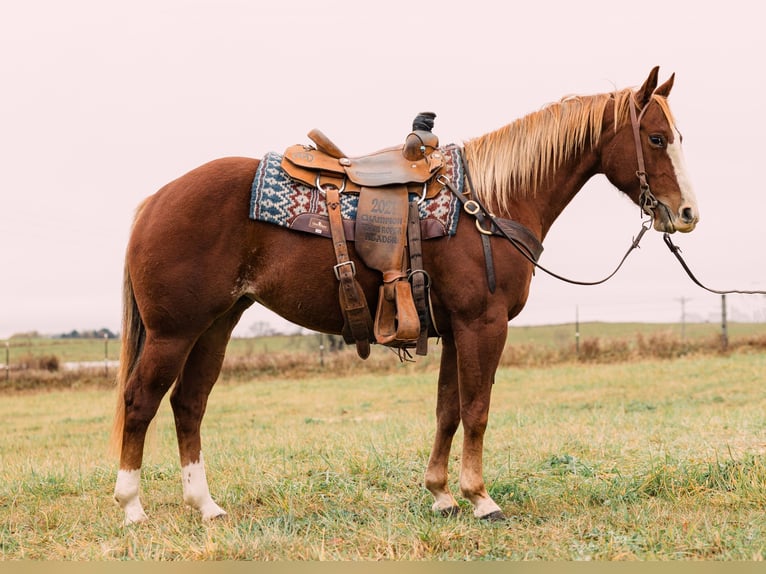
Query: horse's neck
{"points": [[539, 211], [562, 186], [536, 199]]}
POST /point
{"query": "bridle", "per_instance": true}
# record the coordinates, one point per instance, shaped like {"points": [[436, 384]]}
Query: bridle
{"points": [[646, 200]]}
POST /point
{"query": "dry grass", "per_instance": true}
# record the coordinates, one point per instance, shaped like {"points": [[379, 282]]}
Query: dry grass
{"points": [[298, 356]]}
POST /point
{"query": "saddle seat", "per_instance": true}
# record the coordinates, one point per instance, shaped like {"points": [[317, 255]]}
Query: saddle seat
{"points": [[387, 229], [413, 164]]}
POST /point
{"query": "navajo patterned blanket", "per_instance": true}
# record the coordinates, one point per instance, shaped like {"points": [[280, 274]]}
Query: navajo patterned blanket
{"points": [[276, 198]]}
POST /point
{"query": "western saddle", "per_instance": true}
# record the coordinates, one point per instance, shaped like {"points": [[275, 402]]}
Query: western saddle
{"points": [[387, 230]]}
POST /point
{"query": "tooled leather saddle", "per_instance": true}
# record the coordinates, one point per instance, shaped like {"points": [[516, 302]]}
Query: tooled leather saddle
{"points": [[387, 229]]}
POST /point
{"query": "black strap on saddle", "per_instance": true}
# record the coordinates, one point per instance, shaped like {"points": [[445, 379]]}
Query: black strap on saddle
{"points": [[488, 225], [418, 277]]}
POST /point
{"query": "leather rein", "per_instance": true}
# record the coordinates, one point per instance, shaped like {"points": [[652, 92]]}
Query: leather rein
{"points": [[675, 250]]}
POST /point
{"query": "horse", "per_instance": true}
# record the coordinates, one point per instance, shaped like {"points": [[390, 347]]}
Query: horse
{"points": [[195, 262]]}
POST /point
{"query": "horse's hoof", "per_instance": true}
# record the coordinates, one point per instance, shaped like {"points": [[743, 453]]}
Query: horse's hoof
{"points": [[450, 512], [496, 516], [134, 521], [216, 517]]}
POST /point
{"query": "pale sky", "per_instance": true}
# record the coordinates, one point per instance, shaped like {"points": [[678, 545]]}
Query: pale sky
{"points": [[104, 102]]}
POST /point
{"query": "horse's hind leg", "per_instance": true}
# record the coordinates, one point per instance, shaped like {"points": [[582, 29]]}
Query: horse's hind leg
{"points": [[189, 400], [161, 361]]}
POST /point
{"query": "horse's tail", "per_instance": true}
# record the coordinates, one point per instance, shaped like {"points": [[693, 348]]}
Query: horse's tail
{"points": [[133, 337]]}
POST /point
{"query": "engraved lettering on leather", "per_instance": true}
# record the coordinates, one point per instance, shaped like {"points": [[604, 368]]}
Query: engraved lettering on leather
{"points": [[381, 224]]}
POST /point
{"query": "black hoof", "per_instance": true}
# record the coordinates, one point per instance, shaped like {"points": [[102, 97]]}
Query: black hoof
{"points": [[496, 516], [450, 512]]}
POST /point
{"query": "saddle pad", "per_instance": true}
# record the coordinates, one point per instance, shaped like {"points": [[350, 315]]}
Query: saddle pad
{"points": [[276, 198]]}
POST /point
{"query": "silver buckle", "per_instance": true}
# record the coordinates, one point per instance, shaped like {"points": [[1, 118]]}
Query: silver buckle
{"points": [[337, 267]]}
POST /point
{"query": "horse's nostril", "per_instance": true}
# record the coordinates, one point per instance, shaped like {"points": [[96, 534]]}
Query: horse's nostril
{"points": [[687, 215]]}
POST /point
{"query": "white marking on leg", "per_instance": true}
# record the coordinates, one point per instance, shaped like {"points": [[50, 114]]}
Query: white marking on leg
{"points": [[445, 502], [126, 494], [485, 507], [196, 491]]}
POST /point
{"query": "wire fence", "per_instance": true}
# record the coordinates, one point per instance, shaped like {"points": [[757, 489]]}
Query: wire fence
{"points": [[98, 359], [23, 353]]}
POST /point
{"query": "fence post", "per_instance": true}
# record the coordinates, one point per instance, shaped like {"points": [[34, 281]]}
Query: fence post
{"points": [[321, 349], [577, 330], [724, 327], [106, 355], [7, 361]]}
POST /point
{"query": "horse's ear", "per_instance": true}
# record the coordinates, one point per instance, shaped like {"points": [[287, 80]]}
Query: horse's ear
{"points": [[645, 91], [665, 88]]}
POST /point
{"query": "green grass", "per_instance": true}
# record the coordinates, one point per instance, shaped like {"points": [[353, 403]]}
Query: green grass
{"points": [[650, 460]]}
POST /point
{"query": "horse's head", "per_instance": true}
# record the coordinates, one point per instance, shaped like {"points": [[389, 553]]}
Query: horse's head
{"points": [[644, 158]]}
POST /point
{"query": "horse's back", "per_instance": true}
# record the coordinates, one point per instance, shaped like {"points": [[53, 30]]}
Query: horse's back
{"points": [[218, 185]]}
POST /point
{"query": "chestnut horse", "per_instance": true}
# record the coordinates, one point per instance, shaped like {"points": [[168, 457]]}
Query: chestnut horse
{"points": [[195, 262]]}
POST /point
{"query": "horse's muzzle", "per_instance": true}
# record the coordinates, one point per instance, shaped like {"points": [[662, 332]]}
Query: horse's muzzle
{"points": [[684, 221]]}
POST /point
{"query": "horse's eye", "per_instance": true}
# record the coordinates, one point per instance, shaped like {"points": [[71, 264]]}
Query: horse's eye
{"points": [[657, 140]]}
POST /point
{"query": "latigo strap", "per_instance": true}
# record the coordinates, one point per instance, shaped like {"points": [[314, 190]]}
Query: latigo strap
{"points": [[357, 320]]}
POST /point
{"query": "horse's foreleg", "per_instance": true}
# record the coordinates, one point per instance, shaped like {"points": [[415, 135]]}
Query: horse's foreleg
{"points": [[189, 401], [479, 352], [447, 421], [155, 372]]}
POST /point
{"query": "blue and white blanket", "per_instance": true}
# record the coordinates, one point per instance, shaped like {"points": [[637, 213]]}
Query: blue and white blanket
{"points": [[278, 199]]}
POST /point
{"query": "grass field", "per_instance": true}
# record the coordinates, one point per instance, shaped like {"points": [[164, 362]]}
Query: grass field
{"points": [[649, 460]]}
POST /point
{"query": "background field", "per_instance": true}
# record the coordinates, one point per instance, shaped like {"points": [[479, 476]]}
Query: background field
{"points": [[606, 460], [45, 362], [95, 349]]}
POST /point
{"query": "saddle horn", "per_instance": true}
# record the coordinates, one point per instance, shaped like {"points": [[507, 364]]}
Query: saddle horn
{"points": [[422, 138]]}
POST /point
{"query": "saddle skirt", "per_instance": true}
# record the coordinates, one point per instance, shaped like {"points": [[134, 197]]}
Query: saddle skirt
{"points": [[276, 198]]}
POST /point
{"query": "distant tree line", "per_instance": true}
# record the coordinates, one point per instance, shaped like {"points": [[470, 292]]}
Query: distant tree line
{"points": [[92, 334]]}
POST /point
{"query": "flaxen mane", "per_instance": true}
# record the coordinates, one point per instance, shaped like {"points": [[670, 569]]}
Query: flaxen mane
{"points": [[514, 160]]}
